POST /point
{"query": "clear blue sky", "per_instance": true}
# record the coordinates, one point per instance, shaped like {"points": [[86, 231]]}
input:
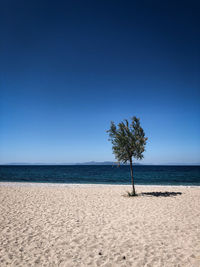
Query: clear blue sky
{"points": [[70, 67]]}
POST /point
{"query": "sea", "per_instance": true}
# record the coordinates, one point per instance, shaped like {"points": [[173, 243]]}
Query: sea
{"points": [[102, 174]]}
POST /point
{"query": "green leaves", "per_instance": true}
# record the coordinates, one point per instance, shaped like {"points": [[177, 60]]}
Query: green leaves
{"points": [[128, 140]]}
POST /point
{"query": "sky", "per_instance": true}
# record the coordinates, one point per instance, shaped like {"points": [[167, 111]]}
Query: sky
{"points": [[67, 68]]}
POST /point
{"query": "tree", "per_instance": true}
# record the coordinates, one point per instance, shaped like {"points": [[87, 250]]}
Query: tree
{"points": [[128, 142]]}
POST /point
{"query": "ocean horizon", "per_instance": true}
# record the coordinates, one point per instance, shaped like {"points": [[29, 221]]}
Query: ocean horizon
{"points": [[102, 174]]}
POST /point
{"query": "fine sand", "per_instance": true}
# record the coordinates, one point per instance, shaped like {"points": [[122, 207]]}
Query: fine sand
{"points": [[46, 225]]}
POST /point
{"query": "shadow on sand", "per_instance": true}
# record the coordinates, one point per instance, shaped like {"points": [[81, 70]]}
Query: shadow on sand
{"points": [[161, 194]]}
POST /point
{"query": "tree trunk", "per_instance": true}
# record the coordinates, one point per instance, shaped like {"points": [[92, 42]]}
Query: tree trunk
{"points": [[132, 180]]}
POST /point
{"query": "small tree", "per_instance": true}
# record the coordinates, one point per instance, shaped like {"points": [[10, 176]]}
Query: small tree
{"points": [[128, 142]]}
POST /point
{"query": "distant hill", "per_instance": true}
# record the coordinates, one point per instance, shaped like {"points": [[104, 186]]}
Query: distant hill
{"points": [[103, 163]]}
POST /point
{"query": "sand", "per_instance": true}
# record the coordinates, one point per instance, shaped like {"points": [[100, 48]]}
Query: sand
{"points": [[46, 225]]}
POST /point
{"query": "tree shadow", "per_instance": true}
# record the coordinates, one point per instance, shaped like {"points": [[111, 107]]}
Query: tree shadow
{"points": [[161, 194]]}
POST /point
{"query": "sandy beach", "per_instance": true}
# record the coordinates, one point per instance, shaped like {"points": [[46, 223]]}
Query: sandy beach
{"points": [[54, 225]]}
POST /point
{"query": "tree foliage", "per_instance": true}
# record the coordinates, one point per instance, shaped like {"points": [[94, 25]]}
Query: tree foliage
{"points": [[128, 140]]}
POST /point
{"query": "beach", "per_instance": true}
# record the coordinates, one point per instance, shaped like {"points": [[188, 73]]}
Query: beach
{"points": [[98, 225]]}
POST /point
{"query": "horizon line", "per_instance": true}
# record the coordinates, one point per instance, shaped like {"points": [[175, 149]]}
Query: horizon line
{"points": [[95, 163]]}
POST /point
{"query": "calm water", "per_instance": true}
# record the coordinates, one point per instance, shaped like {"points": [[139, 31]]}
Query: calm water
{"points": [[160, 175]]}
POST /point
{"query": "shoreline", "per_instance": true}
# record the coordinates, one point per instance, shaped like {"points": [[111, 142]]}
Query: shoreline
{"points": [[2, 183]]}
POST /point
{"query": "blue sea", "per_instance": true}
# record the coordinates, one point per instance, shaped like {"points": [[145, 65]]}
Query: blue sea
{"points": [[101, 174]]}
